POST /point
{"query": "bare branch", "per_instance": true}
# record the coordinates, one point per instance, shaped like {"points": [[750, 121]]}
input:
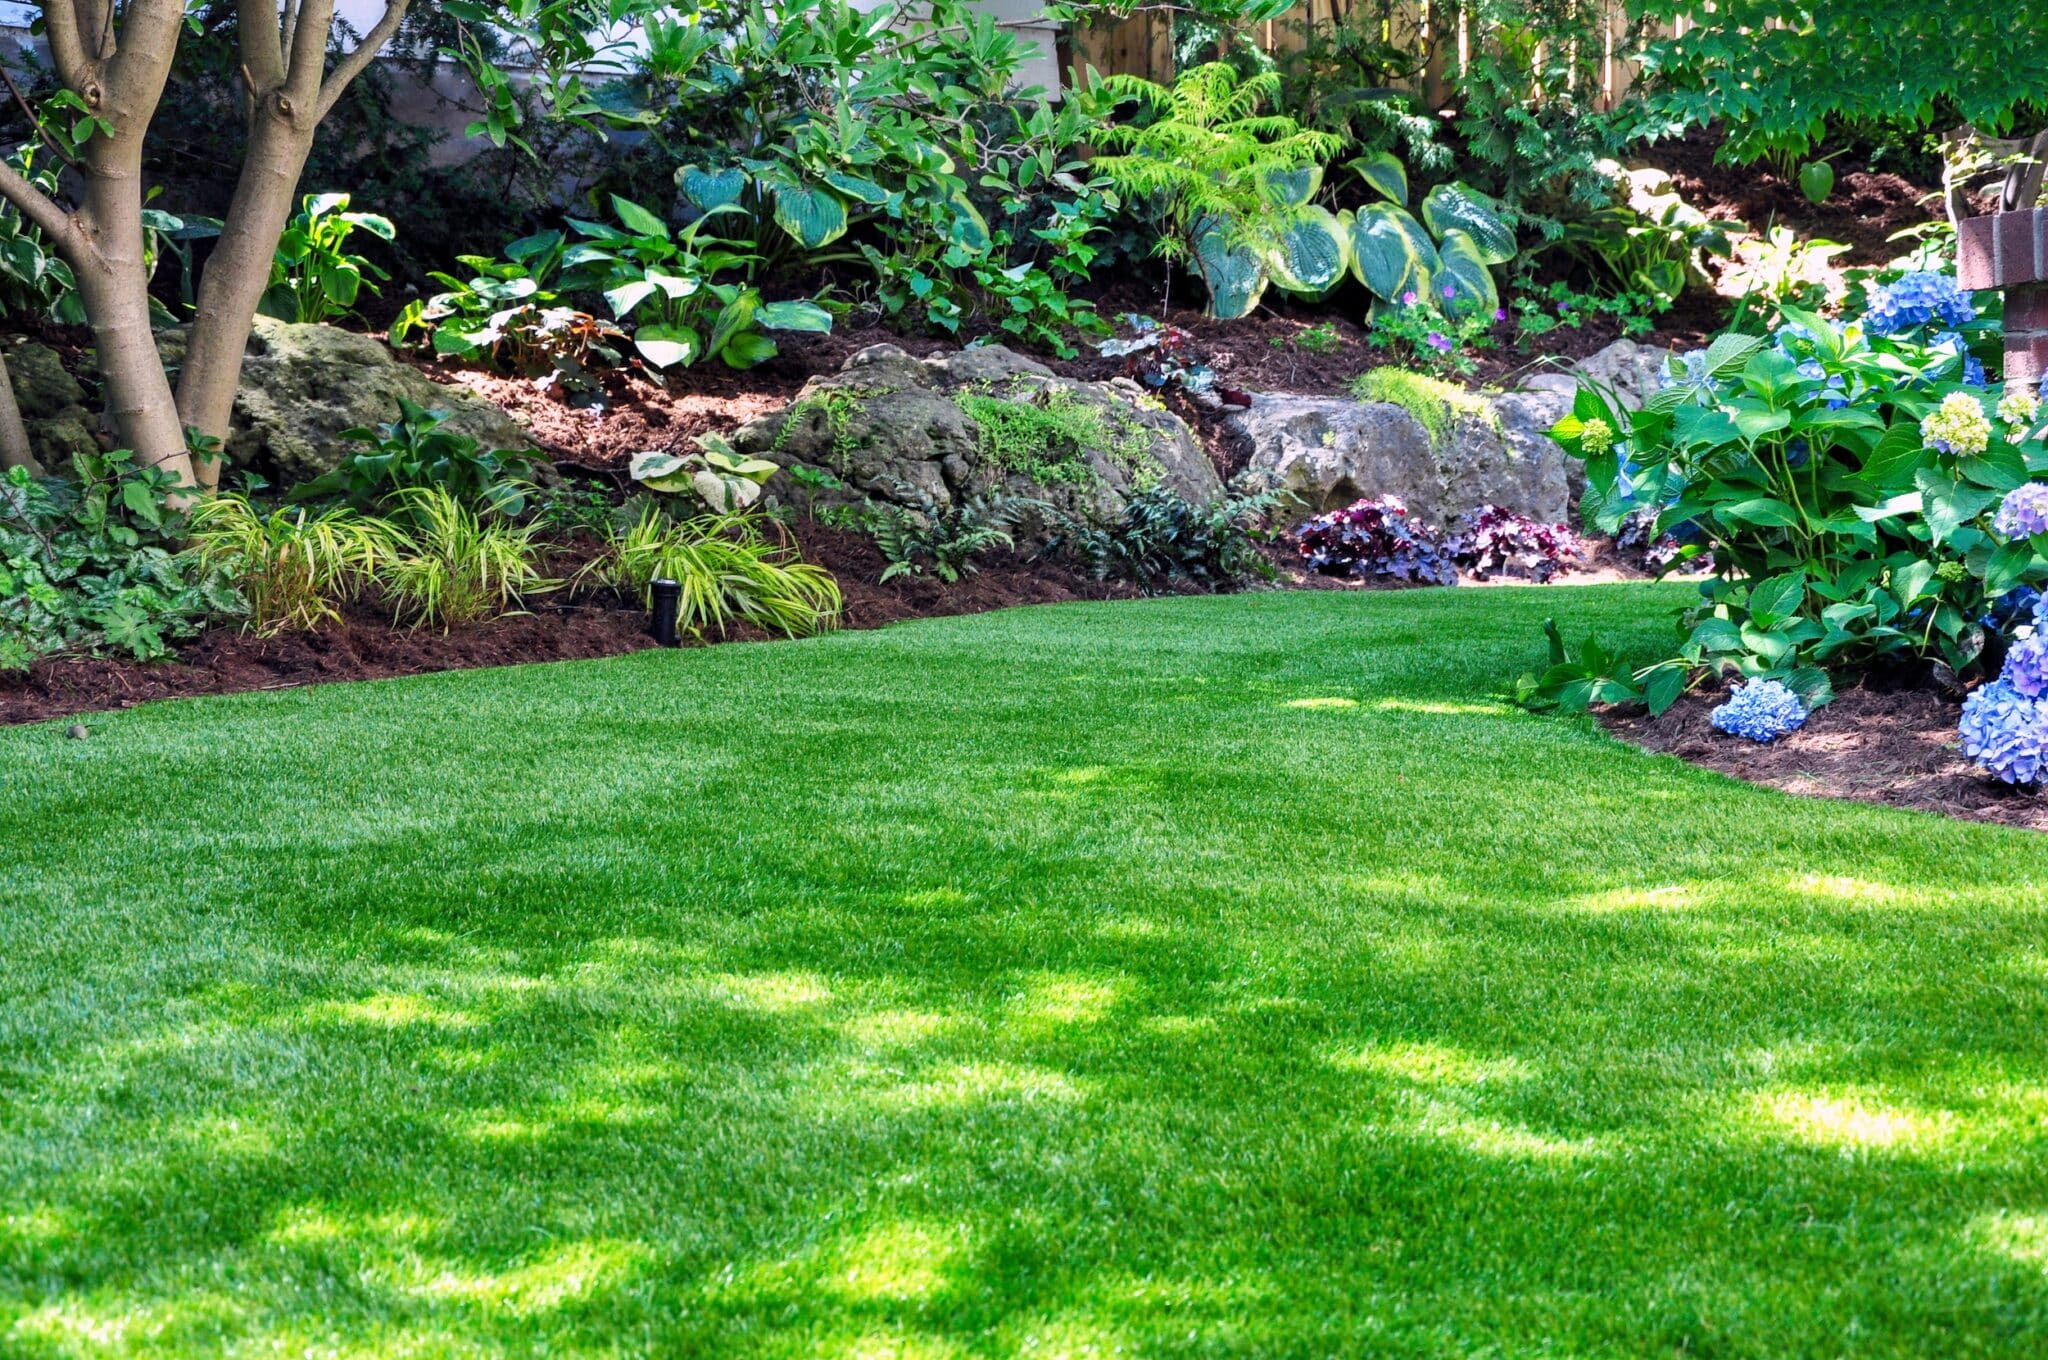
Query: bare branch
{"points": [[307, 57], [61, 19], [149, 40], [39, 208], [351, 66]]}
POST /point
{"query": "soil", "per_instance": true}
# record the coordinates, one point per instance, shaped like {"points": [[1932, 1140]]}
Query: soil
{"points": [[364, 645], [1896, 747]]}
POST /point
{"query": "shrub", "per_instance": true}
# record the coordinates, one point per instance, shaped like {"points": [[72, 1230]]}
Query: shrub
{"points": [[313, 276], [1495, 541], [1161, 536], [417, 450], [294, 566], [727, 570], [93, 565], [1376, 538], [1844, 481]]}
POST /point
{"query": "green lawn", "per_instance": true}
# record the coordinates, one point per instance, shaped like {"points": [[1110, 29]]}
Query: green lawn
{"points": [[1220, 976]]}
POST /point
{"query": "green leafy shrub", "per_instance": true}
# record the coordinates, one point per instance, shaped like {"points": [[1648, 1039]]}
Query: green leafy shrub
{"points": [[1161, 536], [314, 277], [1842, 478], [418, 450], [95, 565], [510, 313], [727, 567]]}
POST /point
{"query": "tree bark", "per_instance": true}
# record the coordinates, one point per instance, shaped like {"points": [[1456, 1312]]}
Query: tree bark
{"points": [[14, 449]]}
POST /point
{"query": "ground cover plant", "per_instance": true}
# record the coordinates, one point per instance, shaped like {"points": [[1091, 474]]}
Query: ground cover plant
{"points": [[954, 1011]]}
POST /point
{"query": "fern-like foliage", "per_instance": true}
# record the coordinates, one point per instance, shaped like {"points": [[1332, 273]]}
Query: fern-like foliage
{"points": [[1207, 158], [945, 539]]}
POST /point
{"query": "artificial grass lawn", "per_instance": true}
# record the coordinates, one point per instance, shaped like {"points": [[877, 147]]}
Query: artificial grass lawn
{"points": [[1223, 976]]}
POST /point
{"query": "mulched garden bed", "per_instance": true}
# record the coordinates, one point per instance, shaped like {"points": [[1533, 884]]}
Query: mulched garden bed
{"points": [[1896, 747], [367, 646]]}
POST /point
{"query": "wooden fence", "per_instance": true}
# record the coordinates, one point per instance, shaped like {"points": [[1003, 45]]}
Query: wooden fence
{"points": [[1438, 37]]}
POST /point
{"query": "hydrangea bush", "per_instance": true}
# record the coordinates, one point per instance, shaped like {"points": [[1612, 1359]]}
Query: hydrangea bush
{"points": [[1376, 538], [1857, 492], [2005, 723]]}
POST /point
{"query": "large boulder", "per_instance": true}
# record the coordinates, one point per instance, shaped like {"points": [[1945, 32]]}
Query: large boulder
{"points": [[303, 385], [888, 426], [1482, 448], [53, 406]]}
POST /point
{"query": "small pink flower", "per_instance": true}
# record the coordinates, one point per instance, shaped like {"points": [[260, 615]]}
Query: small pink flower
{"points": [[1408, 299], [1449, 292], [1500, 314]]}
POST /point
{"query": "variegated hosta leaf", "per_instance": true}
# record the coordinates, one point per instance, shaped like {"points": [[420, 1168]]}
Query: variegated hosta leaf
{"points": [[1293, 187], [708, 189], [1313, 253], [1390, 252], [1454, 207], [855, 187], [658, 470], [667, 346], [1385, 173], [813, 215], [1235, 275], [967, 229], [1465, 276], [794, 316], [724, 493]]}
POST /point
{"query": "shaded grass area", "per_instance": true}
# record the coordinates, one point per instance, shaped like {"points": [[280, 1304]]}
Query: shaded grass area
{"points": [[1214, 976]]}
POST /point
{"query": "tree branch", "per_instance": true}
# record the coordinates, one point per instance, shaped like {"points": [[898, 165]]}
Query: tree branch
{"points": [[39, 208], [308, 55], [256, 24], [34, 121], [149, 41], [67, 43], [352, 65]]}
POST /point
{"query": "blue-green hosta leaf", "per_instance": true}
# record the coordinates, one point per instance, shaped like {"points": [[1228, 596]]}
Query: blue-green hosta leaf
{"points": [[747, 349], [1465, 277], [1383, 171], [709, 189], [813, 215], [1293, 187], [794, 316], [667, 346], [1313, 252], [1235, 275], [735, 318], [1390, 252], [967, 229], [854, 187], [1453, 207]]}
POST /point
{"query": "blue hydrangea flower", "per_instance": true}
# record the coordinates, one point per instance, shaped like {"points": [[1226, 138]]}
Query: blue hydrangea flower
{"points": [[2042, 391], [1923, 298], [2024, 513], [2026, 667], [2002, 730], [1973, 372], [1762, 710]]}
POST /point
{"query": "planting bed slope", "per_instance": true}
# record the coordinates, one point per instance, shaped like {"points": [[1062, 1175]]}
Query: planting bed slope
{"points": [[1231, 975]]}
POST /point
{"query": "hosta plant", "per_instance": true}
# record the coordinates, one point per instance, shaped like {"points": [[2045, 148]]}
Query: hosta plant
{"points": [[1845, 484], [723, 479], [314, 276], [509, 312], [1443, 251]]}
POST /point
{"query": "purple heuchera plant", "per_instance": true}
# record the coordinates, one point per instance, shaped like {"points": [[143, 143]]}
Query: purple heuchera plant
{"points": [[1762, 710], [1495, 541], [1376, 537], [2024, 513]]}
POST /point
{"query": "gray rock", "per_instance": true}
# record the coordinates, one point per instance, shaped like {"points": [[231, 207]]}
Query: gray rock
{"points": [[887, 420], [53, 410], [1330, 451], [303, 385]]}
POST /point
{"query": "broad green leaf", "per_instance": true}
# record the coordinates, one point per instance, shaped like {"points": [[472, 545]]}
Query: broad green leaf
{"points": [[637, 219], [1817, 180], [1901, 451], [1754, 422], [1385, 174], [667, 346], [624, 298], [658, 470], [1715, 634], [734, 319], [812, 215], [1777, 599], [856, 188], [1293, 187], [794, 316], [1313, 253], [2001, 467], [1457, 207], [1463, 283], [1727, 355], [967, 227], [1235, 276], [1391, 253], [1662, 688], [707, 189], [747, 349], [1764, 510]]}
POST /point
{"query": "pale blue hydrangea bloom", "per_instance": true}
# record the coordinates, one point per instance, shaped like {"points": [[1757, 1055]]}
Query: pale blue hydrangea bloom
{"points": [[2024, 513], [1919, 299], [1762, 710], [2026, 667], [2002, 731]]}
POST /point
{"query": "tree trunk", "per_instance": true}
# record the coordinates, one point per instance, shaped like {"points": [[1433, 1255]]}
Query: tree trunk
{"points": [[237, 273], [113, 282], [14, 449]]}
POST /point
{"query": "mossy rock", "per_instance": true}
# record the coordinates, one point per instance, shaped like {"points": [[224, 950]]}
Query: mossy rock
{"points": [[976, 421]]}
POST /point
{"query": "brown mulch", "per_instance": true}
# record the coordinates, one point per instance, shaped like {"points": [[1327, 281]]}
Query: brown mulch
{"points": [[367, 646], [1896, 747]]}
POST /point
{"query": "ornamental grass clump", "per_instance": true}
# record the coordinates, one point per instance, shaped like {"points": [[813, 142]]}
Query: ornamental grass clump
{"points": [[1762, 710], [1376, 538]]}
